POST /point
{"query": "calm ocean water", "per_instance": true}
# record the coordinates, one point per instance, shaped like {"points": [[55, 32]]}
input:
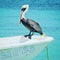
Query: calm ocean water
{"points": [[48, 19]]}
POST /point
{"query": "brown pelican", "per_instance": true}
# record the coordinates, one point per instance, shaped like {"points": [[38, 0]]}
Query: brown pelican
{"points": [[29, 24]]}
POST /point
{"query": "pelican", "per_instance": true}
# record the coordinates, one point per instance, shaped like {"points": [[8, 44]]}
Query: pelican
{"points": [[30, 24]]}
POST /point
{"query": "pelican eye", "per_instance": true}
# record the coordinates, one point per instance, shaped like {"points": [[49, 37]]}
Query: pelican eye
{"points": [[23, 9]]}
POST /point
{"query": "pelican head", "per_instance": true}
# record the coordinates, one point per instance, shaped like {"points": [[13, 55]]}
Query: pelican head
{"points": [[24, 8]]}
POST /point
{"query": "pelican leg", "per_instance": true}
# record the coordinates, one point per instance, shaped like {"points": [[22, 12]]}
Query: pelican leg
{"points": [[30, 35]]}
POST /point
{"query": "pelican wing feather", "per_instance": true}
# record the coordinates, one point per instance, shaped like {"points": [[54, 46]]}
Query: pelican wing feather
{"points": [[34, 25]]}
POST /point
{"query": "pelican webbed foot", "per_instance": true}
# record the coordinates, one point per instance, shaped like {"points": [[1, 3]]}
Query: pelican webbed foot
{"points": [[29, 35]]}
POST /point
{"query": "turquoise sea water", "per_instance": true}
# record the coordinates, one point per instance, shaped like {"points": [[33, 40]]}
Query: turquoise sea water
{"points": [[48, 19]]}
